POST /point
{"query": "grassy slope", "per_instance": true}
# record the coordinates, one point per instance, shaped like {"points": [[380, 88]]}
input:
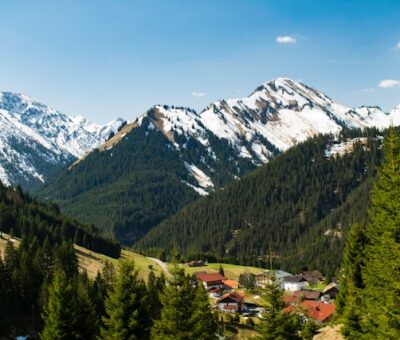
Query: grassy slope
{"points": [[92, 262], [231, 271]]}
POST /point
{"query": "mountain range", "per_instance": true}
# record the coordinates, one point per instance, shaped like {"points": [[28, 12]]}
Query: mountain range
{"points": [[37, 141], [169, 156]]}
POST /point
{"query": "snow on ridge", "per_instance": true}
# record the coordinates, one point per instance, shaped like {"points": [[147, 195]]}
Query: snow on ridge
{"points": [[344, 147], [201, 178]]}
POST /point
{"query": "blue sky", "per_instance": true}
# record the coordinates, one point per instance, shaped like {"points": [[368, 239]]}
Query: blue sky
{"points": [[104, 59]]}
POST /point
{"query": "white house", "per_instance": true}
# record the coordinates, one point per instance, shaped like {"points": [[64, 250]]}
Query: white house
{"points": [[294, 283]]}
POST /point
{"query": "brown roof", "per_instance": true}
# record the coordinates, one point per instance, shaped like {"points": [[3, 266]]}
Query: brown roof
{"points": [[235, 296], [210, 277], [296, 278]]}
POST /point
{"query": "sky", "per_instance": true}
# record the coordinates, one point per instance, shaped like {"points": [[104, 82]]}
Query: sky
{"points": [[107, 59]]}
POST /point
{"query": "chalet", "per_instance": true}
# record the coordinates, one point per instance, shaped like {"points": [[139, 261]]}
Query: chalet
{"points": [[198, 263], [210, 280], [302, 295], [294, 283], [231, 284], [313, 277], [215, 292], [264, 278], [231, 302], [318, 311], [332, 290]]}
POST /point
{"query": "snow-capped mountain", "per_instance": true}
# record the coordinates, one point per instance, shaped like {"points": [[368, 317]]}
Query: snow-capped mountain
{"points": [[276, 116], [36, 140]]}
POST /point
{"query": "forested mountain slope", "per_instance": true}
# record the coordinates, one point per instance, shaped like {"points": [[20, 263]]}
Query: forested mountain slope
{"points": [[300, 204], [170, 155], [20, 215]]}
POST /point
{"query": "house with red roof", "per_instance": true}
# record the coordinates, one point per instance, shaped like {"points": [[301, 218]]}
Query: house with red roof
{"points": [[318, 311], [231, 302], [211, 280]]}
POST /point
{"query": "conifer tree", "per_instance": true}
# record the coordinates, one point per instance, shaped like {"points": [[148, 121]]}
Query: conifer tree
{"points": [[176, 300], [348, 300], [127, 312], [60, 313], [221, 270], [381, 272], [278, 325], [204, 322], [154, 291]]}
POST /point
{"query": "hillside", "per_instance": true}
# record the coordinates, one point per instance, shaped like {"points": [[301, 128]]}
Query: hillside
{"points": [[300, 204], [170, 156], [22, 216]]}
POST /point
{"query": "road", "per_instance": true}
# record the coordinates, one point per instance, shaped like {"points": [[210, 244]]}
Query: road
{"points": [[162, 264]]}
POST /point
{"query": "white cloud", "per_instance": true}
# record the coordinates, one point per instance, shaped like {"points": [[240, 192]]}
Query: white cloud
{"points": [[389, 83], [369, 90], [397, 47], [286, 39], [198, 94]]}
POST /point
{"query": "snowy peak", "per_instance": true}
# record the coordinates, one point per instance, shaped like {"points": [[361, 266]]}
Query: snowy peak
{"points": [[37, 139]]}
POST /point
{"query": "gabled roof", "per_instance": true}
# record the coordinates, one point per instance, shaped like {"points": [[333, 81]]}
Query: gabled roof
{"points": [[235, 296], [294, 279], [332, 285], [210, 277], [231, 283], [297, 296]]}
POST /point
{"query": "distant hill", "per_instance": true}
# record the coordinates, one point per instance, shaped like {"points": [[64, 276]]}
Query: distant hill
{"points": [[301, 204]]}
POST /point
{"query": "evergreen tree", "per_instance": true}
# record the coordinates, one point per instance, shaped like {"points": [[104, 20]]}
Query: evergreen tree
{"points": [[60, 316], [278, 325], [381, 272], [87, 323], [177, 309], [127, 312], [348, 300], [154, 290], [221, 270], [205, 326]]}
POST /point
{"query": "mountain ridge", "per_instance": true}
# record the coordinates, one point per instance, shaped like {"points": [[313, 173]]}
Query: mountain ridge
{"points": [[38, 141], [124, 186]]}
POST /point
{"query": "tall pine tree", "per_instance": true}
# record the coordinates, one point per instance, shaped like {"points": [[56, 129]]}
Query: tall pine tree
{"points": [[60, 315], [127, 311], [348, 300], [381, 272]]}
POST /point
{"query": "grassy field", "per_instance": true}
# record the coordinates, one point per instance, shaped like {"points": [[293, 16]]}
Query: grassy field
{"points": [[231, 271]]}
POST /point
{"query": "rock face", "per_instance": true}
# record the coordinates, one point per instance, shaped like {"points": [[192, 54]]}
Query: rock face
{"points": [[36, 141]]}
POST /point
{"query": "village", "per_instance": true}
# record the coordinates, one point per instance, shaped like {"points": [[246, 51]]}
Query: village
{"points": [[306, 292]]}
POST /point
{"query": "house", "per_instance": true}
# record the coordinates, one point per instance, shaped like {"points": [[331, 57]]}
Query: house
{"points": [[231, 284], [302, 295], [264, 278], [231, 302], [210, 280], [215, 292], [332, 290], [313, 277], [294, 283], [198, 263], [318, 311]]}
